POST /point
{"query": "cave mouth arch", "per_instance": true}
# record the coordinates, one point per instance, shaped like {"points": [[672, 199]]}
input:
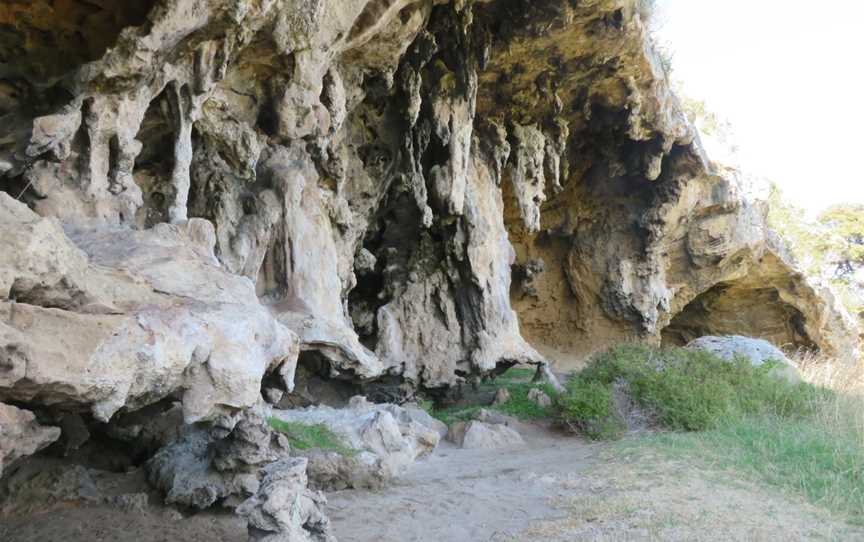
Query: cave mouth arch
{"points": [[740, 309]]}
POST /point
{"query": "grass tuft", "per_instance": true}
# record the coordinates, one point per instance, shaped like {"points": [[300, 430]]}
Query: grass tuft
{"points": [[515, 380], [303, 436]]}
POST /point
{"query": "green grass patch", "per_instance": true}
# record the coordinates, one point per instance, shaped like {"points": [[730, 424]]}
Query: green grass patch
{"points": [[688, 390], [800, 456], [515, 380], [304, 436], [730, 416]]}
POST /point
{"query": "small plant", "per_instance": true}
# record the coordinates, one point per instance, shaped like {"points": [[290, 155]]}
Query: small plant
{"points": [[304, 436]]}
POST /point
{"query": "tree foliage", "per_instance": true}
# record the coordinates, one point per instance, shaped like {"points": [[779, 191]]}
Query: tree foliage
{"points": [[830, 247], [845, 223]]}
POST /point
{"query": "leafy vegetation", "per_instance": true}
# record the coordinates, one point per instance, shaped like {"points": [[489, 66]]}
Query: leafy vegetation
{"points": [[846, 223], [517, 381], [303, 436]]}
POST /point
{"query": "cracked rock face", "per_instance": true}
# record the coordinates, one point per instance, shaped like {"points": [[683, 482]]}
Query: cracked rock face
{"points": [[205, 190]]}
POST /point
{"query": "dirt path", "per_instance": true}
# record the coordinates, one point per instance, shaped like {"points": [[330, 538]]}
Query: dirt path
{"points": [[565, 489], [462, 495], [556, 488]]}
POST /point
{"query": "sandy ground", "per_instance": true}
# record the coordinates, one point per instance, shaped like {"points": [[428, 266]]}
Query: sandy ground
{"points": [[564, 489], [556, 488], [463, 495]]}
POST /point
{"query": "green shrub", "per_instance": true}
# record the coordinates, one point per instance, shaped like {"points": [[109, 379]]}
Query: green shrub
{"points": [[588, 407], [689, 390]]}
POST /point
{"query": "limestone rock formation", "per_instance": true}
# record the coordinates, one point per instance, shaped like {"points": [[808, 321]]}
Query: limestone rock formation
{"points": [[110, 318], [221, 463], [203, 196], [283, 510]]}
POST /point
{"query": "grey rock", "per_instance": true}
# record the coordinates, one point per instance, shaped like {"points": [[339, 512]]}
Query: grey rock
{"points": [[492, 417], [273, 395], [539, 397], [757, 351], [21, 435], [219, 463], [501, 396], [283, 509], [475, 435]]}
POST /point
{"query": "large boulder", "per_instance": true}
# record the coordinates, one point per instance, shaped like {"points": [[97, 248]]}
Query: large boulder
{"points": [[756, 351], [111, 318], [478, 435]]}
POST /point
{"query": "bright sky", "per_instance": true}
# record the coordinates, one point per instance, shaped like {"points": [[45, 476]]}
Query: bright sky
{"points": [[789, 76]]}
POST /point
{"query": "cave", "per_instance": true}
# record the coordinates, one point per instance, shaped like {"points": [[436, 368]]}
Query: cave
{"points": [[740, 309], [395, 203]]}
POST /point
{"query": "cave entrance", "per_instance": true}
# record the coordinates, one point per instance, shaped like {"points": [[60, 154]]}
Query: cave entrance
{"points": [[740, 309]]}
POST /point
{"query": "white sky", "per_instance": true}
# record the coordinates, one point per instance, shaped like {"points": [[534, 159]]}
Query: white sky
{"points": [[789, 76]]}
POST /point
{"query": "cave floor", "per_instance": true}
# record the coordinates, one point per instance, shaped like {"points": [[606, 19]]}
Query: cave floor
{"points": [[555, 488]]}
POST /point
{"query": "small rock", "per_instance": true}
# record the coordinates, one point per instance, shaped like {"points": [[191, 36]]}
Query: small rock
{"points": [[273, 395], [416, 414], [475, 435], [172, 514], [21, 435], [539, 397], [130, 502], [501, 397], [491, 417], [365, 262]]}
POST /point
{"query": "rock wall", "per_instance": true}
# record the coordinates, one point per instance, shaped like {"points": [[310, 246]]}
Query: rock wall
{"points": [[205, 193]]}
